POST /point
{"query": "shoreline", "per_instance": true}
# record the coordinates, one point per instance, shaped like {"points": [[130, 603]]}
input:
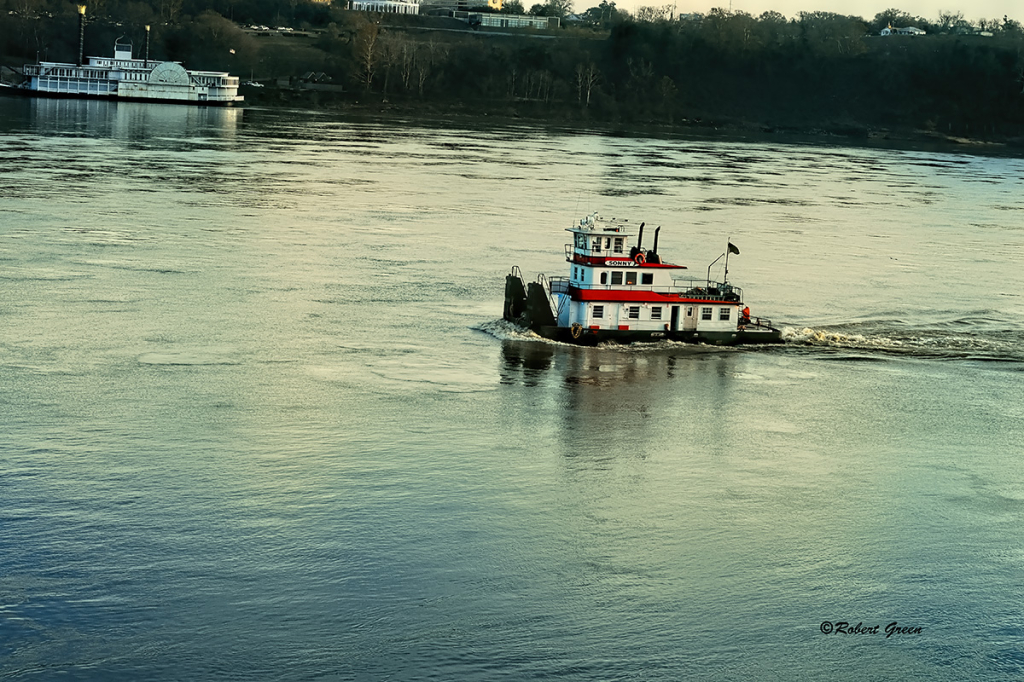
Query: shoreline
{"points": [[570, 121]]}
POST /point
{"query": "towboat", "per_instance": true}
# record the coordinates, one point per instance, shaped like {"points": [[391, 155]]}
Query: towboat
{"points": [[620, 292]]}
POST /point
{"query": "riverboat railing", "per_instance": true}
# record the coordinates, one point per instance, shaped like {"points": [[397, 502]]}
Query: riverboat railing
{"points": [[691, 288]]}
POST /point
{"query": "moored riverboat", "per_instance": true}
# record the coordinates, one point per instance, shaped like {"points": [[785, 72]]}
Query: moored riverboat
{"points": [[124, 77], [619, 291]]}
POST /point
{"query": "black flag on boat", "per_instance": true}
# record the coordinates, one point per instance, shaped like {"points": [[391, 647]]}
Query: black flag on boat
{"points": [[733, 249]]}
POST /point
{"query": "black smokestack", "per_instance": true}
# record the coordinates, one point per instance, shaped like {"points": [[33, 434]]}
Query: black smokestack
{"points": [[640, 237], [656, 231]]}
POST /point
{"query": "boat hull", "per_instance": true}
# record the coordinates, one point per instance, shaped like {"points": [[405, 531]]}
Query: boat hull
{"points": [[113, 97], [593, 337]]}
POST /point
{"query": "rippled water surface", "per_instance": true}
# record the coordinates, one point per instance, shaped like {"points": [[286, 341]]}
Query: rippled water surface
{"points": [[259, 417]]}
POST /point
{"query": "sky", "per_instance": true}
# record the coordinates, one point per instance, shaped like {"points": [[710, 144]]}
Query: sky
{"points": [[929, 9]]}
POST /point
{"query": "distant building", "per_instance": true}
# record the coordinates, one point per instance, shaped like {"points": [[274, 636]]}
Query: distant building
{"points": [[505, 20], [908, 31], [385, 6]]}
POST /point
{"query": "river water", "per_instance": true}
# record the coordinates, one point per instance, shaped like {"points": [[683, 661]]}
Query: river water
{"points": [[260, 419]]}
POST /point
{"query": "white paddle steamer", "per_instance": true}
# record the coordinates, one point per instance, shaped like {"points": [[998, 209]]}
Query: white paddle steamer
{"points": [[124, 77]]}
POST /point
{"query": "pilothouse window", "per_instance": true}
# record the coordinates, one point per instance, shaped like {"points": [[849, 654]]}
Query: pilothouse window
{"points": [[618, 245]]}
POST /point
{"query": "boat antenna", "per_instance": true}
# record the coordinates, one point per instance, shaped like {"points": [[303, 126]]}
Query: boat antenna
{"points": [[709, 269]]}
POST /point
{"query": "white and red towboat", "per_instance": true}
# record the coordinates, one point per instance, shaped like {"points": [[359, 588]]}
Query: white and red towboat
{"points": [[618, 291]]}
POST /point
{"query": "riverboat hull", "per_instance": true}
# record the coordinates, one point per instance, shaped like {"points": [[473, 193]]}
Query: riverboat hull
{"points": [[20, 91]]}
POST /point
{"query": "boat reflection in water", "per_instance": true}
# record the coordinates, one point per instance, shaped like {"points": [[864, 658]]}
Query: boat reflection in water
{"points": [[536, 363], [630, 399], [133, 121]]}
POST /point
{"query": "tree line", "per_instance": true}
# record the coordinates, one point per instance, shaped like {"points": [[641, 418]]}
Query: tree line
{"points": [[817, 71]]}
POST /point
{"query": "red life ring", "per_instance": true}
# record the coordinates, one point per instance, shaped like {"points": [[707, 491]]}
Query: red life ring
{"points": [[639, 259]]}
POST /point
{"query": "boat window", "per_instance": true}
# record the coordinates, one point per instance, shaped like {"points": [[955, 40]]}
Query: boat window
{"points": [[656, 313], [618, 245], [598, 312], [597, 244], [723, 313], [604, 278], [647, 278], [631, 278], [616, 277], [705, 313], [634, 312], [689, 311]]}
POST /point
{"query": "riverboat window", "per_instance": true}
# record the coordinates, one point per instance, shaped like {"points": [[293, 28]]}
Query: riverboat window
{"points": [[618, 245], [597, 244], [630, 278], [575, 273], [634, 312], [616, 278], [723, 313], [647, 278], [607, 243], [604, 278], [598, 312], [581, 241], [689, 311], [656, 313], [705, 313]]}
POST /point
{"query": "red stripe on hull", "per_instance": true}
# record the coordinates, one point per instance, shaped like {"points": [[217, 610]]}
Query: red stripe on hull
{"points": [[637, 296]]}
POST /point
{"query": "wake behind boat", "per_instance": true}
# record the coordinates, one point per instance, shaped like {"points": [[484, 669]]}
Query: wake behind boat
{"points": [[618, 291]]}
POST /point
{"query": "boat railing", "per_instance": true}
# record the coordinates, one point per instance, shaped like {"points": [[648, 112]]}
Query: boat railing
{"points": [[730, 294], [757, 322], [559, 285]]}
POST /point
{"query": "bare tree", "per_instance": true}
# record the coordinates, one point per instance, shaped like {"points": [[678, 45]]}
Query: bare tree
{"points": [[407, 62], [653, 14], [390, 55], [587, 76], [366, 44]]}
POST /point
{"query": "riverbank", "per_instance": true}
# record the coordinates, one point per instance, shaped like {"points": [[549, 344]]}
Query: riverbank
{"points": [[565, 119]]}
